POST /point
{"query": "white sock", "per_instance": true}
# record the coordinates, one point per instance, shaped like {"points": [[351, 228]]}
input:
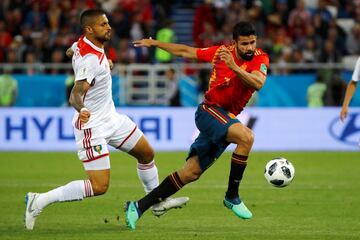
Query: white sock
{"points": [[73, 191], [148, 175]]}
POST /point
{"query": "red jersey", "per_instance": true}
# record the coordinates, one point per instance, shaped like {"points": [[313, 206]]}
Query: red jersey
{"points": [[226, 89]]}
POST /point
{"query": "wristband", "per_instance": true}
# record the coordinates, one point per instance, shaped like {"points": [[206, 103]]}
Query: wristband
{"points": [[84, 109]]}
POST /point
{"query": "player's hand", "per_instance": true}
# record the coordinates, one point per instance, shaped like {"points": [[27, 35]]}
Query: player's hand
{"points": [[111, 64], [84, 116], [69, 52], [343, 113], [226, 56], [148, 42]]}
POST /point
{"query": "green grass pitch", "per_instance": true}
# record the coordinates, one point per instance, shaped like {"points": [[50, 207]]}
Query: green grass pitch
{"points": [[323, 201]]}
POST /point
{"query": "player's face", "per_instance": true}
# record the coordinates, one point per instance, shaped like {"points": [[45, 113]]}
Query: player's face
{"points": [[245, 46], [101, 29]]}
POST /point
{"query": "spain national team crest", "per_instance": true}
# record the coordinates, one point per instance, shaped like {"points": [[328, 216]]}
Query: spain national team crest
{"points": [[98, 148], [263, 68]]}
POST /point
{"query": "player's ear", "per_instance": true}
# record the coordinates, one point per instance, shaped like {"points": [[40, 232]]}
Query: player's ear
{"points": [[88, 29]]}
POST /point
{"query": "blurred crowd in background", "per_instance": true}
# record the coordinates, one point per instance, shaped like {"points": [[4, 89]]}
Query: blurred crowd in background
{"points": [[290, 31], [302, 31]]}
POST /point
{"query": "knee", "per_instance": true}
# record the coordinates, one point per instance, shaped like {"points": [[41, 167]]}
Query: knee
{"points": [[100, 188], [249, 138], [190, 176], [147, 156], [246, 139]]}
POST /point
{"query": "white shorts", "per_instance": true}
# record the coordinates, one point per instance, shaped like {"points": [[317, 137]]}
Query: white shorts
{"points": [[120, 132]]}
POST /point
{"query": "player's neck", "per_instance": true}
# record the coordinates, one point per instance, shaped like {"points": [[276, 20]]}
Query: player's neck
{"points": [[95, 42], [238, 56]]}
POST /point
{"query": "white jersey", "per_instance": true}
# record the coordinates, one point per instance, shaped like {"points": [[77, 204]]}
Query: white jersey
{"points": [[356, 74], [89, 63]]}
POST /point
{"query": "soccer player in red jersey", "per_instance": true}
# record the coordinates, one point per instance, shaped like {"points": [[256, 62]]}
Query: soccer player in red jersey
{"points": [[237, 71]]}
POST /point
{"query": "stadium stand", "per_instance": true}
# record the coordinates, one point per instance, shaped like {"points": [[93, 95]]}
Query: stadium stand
{"points": [[34, 34]]}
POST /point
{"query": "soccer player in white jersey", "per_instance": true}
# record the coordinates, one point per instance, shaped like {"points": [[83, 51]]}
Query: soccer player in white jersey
{"points": [[350, 90], [97, 124]]}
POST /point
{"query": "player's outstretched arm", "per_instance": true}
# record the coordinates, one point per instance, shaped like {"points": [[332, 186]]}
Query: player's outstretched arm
{"points": [[350, 90], [180, 50]]}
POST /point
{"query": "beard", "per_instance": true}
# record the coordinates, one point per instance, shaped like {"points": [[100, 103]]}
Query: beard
{"points": [[248, 56], [106, 37]]}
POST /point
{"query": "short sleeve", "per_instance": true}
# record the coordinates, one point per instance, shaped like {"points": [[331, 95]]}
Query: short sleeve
{"points": [[356, 74], [206, 54], [87, 68], [261, 64]]}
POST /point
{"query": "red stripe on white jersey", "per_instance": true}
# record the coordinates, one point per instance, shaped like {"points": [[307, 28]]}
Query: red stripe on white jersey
{"points": [[102, 58], [127, 137], [95, 158]]}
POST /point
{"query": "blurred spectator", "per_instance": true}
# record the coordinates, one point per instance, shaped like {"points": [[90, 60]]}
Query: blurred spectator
{"points": [[109, 5], [338, 36], [165, 34], [35, 18], [208, 37], [225, 35], [282, 60], [299, 18], [18, 47], [111, 53], [57, 57], [126, 52], [173, 92], [8, 89], [337, 88], [344, 8], [258, 18], [298, 58], [5, 36], [237, 12], [280, 15], [329, 53], [162, 11], [316, 93], [353, 39], [55, 17], [137, 32], [323, 12], [32, 66], [310, 52], [146, 11], [220, 12], [11, 57], [204, 14], [120, 23], [42, 26]]}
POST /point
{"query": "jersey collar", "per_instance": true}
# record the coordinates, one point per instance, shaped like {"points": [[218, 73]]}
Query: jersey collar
{"points": [[93, 45]]}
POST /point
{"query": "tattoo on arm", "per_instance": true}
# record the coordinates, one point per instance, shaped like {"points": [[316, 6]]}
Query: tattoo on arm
{"points": [[77, 93]]}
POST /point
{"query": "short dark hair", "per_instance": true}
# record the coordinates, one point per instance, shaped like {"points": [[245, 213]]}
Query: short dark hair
{"points": [[87, 16], [243, 29]]}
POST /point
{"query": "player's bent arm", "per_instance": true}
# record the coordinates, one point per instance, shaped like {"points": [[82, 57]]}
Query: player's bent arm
{"points": [[255, 79], [77, 93], [69, 52], [180, 50], [350, 90]]}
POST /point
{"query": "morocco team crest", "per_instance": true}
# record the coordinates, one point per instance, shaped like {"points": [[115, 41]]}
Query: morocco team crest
{"points": [[98, 148]]}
